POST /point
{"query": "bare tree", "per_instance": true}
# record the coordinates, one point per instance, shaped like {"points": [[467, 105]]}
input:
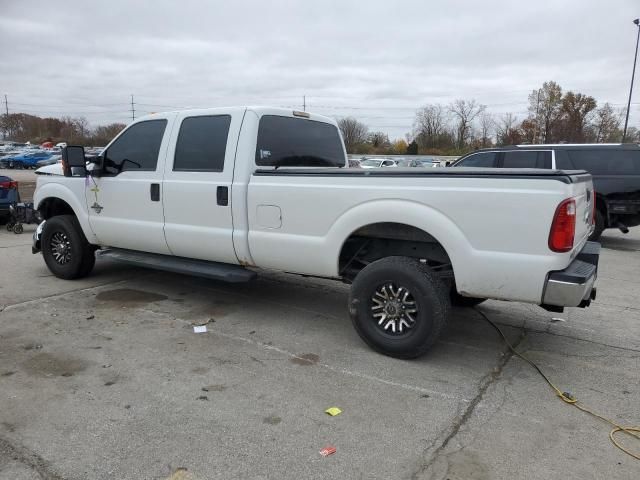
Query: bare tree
{"points": [[353, 132], [544, 109], [606, 124], [465, 112], [430, 125], [487, 126], [507, 131]]}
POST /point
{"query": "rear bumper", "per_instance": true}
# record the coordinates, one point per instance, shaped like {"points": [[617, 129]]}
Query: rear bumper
{"points": [[575, 285]]}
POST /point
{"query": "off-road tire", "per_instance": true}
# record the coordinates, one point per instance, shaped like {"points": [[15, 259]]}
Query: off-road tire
{"points": [[430, 296], [81, 257]]}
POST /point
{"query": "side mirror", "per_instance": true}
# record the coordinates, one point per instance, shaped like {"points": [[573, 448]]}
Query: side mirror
{"points": [[73, 161]]}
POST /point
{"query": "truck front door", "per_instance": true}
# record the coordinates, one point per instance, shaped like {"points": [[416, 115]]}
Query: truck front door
{"points": [[197, 185], [125, 202]]}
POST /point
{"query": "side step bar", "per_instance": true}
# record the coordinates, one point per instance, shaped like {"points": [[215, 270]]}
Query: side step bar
{"points": [[199, 268]]}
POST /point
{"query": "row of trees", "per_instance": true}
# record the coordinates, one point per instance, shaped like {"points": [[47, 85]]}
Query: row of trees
{"points": [[553, 116], [22, 127]]}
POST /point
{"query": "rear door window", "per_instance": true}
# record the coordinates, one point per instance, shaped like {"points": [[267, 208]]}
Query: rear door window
{"points": [[297, 142], [527, 159], [606, 161], [202, 143], [481, 159], [136, 149]]}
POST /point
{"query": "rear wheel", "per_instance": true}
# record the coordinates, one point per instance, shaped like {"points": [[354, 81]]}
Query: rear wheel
{"points": [[399, 306], [65, 248], [599, 227]]}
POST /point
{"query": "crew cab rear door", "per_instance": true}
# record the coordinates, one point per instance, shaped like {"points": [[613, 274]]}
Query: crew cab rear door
{"points": [[197, 185]]}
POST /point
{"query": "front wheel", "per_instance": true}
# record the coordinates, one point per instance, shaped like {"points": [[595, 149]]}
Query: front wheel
{"points": [[65, 248], [399, 306]]}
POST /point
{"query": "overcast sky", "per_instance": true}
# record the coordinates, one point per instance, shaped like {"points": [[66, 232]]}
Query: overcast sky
{"points": [[374, 60]]}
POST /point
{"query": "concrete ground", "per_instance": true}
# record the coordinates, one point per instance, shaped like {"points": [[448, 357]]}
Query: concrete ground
{"points": [[104, 378]]}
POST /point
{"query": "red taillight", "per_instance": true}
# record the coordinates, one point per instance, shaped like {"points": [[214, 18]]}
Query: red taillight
{"points": [[8, 184], [563, 228]]}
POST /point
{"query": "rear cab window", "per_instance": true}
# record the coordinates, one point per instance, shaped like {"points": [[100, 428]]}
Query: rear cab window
{"points": [[298, 142]]}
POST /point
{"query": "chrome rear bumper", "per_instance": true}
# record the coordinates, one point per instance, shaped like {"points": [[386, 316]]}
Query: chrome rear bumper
{"points": [[575, 285]]}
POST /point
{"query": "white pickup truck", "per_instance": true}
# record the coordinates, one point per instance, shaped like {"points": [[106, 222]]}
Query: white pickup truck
{"points": [[222, 192]]}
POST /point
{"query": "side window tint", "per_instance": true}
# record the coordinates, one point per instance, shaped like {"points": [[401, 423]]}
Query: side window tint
{"points": [[527, 159], [482, 159], [562, 161], [607, 161], [136, 149], [202, 143]]}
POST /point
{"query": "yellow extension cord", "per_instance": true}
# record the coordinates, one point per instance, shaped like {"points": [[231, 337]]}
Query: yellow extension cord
{"points": [[571, 400]]}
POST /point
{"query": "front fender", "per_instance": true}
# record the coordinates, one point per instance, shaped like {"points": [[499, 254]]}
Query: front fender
{"points": [[74, 196]]}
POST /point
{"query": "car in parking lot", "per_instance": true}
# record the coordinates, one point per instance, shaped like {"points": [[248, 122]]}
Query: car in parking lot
{"points": [[615, 169], [378, 163], [8, 196]]}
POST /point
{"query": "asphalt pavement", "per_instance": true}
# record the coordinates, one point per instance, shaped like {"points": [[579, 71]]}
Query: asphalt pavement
{"points": [[104, 378]]}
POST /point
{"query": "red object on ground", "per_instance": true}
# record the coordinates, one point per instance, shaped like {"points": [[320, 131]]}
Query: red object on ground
{"points": [[328, 450]]}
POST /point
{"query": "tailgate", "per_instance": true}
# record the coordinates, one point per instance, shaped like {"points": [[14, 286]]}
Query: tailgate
{"points": [[584, 195]]}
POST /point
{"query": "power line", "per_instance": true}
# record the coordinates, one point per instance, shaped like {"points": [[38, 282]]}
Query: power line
{"points": [[133, 109]]}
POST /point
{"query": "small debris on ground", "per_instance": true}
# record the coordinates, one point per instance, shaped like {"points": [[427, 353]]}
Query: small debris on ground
{"points": [[203, 397], [199, 329], [106, 365], [328, 450], [333, 411], [91, 317], [558, 319]]}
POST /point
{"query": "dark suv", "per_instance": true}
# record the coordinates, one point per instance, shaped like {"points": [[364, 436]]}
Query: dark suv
{"points": [[615, 169]]}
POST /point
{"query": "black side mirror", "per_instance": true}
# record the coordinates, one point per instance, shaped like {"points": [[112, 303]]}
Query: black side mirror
{"points": [[74, 161]]}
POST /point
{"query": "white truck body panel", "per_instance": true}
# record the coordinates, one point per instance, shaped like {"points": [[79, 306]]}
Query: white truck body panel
{"points": [[494, 229]]}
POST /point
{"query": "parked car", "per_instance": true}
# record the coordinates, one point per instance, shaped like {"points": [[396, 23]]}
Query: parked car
{"points": [[378, 163], [212, 192], [615, 169], [53, 159], [25, 160], [8, 196]]}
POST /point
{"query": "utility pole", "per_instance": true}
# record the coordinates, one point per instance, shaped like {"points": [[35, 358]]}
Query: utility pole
{"points": [[633, 74], [535, 124], [133, 109], [304, 103], [6, 119]]}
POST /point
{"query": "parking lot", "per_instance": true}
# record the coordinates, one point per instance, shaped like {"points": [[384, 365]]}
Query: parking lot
{"points": [[105, 378]]}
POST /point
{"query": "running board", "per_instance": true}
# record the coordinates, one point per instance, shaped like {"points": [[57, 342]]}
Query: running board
{"points": [[199, 268]]}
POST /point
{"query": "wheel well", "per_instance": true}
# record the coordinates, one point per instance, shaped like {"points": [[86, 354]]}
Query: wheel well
{"points": [[51, 207], [375, 241]]}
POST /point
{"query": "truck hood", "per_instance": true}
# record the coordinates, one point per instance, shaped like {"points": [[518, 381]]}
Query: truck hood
{"points": [[55, 169]]}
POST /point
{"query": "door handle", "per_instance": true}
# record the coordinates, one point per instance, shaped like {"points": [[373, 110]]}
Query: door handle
{"points": [[222, 194], [155, 192]]}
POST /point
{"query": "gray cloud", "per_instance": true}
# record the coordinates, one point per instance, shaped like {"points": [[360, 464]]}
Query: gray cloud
{"points": [[375, 60]]}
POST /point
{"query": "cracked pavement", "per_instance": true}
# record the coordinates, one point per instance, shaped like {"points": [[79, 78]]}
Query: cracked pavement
{"points": [[104, 378]]}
